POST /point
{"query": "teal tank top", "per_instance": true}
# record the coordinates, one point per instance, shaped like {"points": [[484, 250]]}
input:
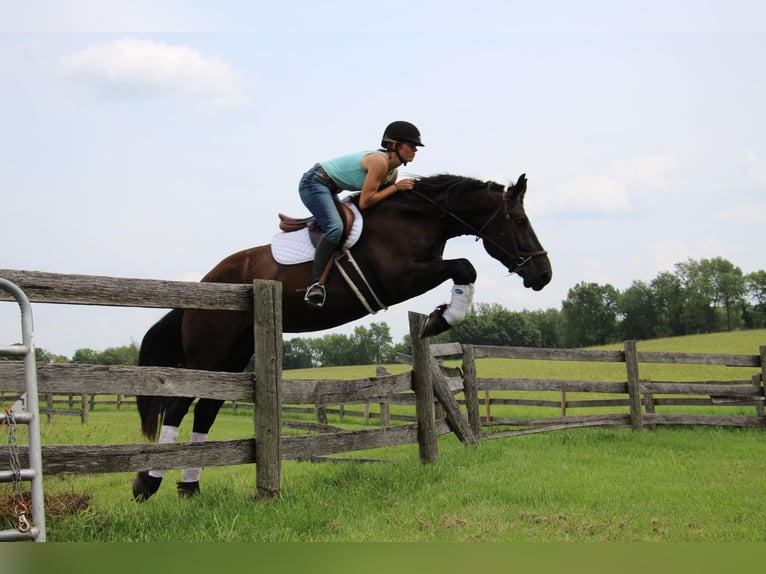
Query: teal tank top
{"points": [[347, 171]]}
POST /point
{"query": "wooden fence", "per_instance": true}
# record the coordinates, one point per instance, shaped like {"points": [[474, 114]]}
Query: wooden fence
{"points": [[269, 447], [640, 397], [424, 386]]}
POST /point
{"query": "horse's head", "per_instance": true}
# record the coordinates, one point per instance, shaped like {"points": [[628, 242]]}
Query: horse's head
{"points": [[497, 216], [488, 210], [508, 237]]}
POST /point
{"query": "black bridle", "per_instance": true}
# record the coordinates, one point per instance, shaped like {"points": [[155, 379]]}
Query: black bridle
{"points": [[521, 258]]}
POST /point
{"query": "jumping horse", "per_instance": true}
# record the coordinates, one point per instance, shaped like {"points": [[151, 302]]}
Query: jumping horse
{"points": [[398, 254]]}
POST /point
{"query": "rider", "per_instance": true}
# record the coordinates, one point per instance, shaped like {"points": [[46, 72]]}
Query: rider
{"points": [[373, 173]]}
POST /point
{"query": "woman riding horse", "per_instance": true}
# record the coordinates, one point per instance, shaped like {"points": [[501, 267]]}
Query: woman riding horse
{"points": [[399, 255], [374, 173]]}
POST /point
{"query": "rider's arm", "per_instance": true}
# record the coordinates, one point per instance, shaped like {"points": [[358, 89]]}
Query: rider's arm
{"points": [[377, 169]]}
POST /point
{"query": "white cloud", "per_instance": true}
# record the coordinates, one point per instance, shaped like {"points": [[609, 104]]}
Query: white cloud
{"points": [[132, 68], [612, 192]]}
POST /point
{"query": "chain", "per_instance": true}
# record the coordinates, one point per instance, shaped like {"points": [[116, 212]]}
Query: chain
{"points": [[13, 448]]}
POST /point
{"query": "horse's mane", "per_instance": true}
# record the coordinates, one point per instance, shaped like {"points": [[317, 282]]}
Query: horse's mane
{"points": [[447, 186], [443, 188]]}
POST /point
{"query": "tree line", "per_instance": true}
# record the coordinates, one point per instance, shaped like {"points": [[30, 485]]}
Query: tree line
{"points": [[705, 296]]}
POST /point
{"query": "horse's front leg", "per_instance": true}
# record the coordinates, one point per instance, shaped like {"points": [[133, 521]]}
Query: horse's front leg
{"points": [[444, 316]]}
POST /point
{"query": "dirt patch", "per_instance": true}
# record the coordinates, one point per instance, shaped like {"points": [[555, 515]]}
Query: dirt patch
{"points": [[56, 504]]}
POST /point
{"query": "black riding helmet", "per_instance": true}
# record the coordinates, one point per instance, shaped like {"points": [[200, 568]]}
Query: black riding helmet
{"points": [[401, 132]]}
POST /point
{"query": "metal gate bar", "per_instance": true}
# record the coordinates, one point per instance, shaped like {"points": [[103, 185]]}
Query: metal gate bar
{"points": [[26, 411]]}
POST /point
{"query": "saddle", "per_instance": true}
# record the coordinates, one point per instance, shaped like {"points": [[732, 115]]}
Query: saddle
{"points": [[288, 224]]}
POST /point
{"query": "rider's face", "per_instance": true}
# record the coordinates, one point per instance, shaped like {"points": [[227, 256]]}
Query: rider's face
{"points": [[407, 151]]}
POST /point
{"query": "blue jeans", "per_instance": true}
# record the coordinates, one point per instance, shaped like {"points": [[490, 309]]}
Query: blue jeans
{"points": [[320, 201]]}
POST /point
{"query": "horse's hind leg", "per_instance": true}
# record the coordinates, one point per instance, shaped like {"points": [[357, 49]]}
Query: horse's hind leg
{"points": [[147, 483], [205, 412]]}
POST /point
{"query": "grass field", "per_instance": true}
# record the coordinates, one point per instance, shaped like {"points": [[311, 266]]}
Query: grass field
{"points": [[673, 484]]}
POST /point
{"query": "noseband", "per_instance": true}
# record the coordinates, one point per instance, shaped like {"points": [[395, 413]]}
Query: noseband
{"points": [[521, 258]]}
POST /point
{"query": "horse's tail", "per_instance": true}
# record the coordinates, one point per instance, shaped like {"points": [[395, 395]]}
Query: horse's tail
{"points": [[161, 347]]}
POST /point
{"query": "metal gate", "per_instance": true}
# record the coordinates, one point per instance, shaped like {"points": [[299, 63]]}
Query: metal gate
{"points": [[24, 411]]}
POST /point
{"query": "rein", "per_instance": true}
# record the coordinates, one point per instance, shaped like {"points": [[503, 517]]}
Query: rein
{"points": [[522, 258]]}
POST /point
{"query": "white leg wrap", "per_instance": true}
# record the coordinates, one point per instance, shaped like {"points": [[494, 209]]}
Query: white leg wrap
{"points": [[193, 474], [462, 299], [168, 435]]}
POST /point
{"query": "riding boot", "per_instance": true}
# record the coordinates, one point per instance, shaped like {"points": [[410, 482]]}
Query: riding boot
{"points": [[315, 294]]}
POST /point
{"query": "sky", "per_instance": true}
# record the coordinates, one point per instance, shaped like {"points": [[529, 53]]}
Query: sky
{"points": [[151, 139]]}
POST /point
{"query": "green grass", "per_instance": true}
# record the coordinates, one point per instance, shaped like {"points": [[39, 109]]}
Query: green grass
{"points": [[584, 485], [672, 484]]}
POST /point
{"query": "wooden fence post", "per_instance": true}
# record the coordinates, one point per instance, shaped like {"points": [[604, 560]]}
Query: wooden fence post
{"points": [[471, 390], [385, 408], [84, 408], [634, 390], [762, 383], [424, 391], [267, 302]]}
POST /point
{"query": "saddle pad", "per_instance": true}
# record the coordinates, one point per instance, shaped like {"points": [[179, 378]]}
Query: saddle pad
{"points": [[296, 247]]}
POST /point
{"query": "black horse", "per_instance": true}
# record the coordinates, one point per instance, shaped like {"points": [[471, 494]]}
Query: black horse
{"points": [[397, 256]]}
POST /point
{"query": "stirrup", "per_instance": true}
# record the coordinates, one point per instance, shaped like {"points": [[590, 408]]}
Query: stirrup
{"points": [[315, 295]]}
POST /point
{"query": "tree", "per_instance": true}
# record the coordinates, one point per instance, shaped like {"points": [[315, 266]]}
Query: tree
{"points": [[638, 311], [668, 296], [126, 355], [548, 323], [756, 292], [711, 285], [298, 353], [335, 349], [589, 315], [493, 324], [698, 312], [374, 345]]}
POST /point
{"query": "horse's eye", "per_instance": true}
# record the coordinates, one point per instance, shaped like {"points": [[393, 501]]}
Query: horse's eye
{"points": [[522, 222]]}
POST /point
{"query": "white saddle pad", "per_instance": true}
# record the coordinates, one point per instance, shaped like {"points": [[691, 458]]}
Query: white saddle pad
{"points": [[295, 246]]}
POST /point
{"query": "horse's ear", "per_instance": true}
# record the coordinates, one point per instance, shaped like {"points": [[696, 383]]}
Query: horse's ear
{"points": [[518, 189], [521, 183]]}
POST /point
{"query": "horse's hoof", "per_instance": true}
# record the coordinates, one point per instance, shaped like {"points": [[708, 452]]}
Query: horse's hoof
{"points": [[436, 323], [144, 486], [187, 489]]}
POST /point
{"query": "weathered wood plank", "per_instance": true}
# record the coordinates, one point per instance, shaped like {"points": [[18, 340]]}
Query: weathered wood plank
{"points": [[498, 384], [700, 359], [267, 334], [556, 427], [120, 379], [373, 389], [297, 447], [701, 420], [107, 458], [701, 388], [634, 390], [455, 418], [100, 459], [489, 351], [446, 349], [41, 287], [471, 390], [422, 384], [63, 378], [622, 419]]}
